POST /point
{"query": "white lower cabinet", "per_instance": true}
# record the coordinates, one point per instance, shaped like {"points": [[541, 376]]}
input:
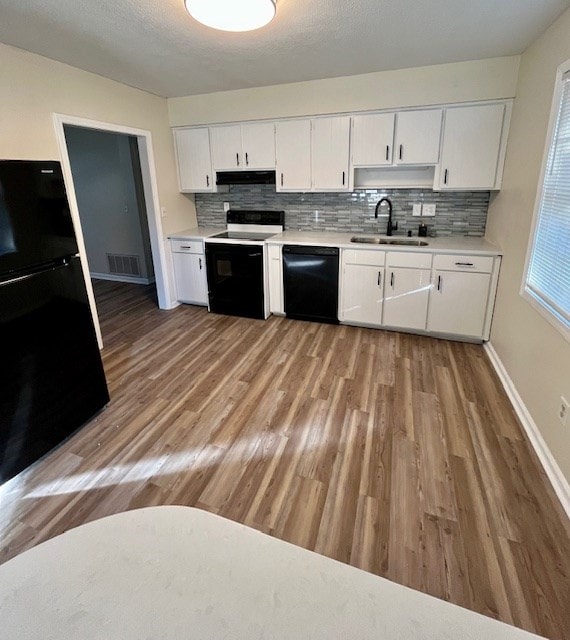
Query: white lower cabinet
{"points": [[190, 271], [458, 303], [406, 294], [275, 271], [362, 291], [462, 295]]}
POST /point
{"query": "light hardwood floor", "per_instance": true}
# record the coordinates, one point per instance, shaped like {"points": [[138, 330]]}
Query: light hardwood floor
{"points": [[397, 454]]}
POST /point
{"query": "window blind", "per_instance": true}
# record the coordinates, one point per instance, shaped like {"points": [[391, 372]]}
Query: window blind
{"points": [[548, 277]]}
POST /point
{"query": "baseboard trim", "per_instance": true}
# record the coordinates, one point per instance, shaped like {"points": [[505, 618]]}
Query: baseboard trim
{"points": [[553, 471], [114, 278]]}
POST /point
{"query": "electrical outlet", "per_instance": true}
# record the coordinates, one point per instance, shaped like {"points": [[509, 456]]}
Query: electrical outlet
{"points": [[226, 207], [429, 210], [417, 209], [563, 410]]}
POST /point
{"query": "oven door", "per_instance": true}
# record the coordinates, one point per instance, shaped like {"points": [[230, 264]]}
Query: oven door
{"points": [[235, 279]]}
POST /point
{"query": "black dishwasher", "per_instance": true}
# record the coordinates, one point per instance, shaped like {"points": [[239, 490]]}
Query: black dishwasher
{"points": [[310, 276]]}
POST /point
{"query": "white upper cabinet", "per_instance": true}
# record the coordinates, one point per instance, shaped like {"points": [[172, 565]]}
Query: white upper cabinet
{"points": [[418, 134], [242, 147], [258, 145], [451, 148], [372, 139], [227, 153], [470, 154], [293, 155], [194, 160], [330, 143]]}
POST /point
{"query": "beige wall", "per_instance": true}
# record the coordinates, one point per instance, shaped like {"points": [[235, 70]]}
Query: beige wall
{"points": [[32, 88], [456, 82], [535, 354]]}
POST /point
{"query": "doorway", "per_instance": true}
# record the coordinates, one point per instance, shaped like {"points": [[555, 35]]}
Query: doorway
{"points": [[108, 187], [148, 206]]}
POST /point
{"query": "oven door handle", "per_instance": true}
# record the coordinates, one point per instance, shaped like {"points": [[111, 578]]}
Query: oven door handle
{"points": [[255, 255]]}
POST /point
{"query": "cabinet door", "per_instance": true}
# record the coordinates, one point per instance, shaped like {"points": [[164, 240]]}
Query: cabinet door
{"points": [[406, 298], [418, 135], [330, 144], [226, 148], [362, 287], [258, 144], [193, 159], [458, 303], [293, 154], [372, 139], [190, 278], [471, 145]]}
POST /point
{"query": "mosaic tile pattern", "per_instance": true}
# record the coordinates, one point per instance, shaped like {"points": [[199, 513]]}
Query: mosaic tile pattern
{"points": [[461, 213]]}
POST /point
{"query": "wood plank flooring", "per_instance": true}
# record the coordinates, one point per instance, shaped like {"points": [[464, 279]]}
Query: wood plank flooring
{"points": [[398, 454]]}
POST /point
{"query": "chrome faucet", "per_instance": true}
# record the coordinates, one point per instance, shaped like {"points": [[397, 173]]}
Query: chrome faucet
{"points": [[392, 226]]}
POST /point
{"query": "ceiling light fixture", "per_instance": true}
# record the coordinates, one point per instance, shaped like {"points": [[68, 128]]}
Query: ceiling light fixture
{"points": [[232, 15]]}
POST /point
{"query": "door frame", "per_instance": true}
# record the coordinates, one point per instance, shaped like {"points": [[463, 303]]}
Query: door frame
{"points": [[153, 214]]}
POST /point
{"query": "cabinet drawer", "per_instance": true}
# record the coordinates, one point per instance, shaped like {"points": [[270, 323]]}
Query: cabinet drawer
{"points": [[458, 262], [409, 259], [364, 256], [187, 246]]}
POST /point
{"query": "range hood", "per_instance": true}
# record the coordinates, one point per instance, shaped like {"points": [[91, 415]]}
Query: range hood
{"points": [[245, 177]]}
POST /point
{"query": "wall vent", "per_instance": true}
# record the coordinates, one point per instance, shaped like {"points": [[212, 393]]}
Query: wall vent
{"points": [[122, 265]]}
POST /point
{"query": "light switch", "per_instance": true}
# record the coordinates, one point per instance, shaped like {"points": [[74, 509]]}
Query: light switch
{"points": [[429, 210], [417, 209]]}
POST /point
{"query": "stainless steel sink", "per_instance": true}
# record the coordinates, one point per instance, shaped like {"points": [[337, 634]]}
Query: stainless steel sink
{"points": [[376, 240]]}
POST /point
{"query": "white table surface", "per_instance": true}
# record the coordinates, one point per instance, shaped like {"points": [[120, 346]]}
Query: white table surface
{"points": [[181, 573]]}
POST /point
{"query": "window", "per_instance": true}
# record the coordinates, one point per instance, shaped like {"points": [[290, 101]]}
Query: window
{"points": [[548, 269]]}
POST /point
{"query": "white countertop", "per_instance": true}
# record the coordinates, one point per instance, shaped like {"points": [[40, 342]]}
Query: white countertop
{"points": [[177, 572], [443, 244], [196, 233]]}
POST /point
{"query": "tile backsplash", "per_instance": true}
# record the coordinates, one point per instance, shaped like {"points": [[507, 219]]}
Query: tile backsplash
{"points": [[461, 213]]}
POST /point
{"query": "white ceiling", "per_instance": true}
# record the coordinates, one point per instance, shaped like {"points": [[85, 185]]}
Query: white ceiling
{"points": [[155, 45]]}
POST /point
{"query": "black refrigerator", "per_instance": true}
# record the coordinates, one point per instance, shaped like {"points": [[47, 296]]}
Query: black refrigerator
{"points": [[51, 375]]}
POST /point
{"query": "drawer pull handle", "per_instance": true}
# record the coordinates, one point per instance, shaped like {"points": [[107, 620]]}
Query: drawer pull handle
{"points": [[200, 263], [207, 181], [439, 283], [281, 179], [445, 177], [343, 178], [185, 247], [387, 152], [401, 151], [392, 280], [237, 159], [246, 160], [379, 278], [464, 264]]}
